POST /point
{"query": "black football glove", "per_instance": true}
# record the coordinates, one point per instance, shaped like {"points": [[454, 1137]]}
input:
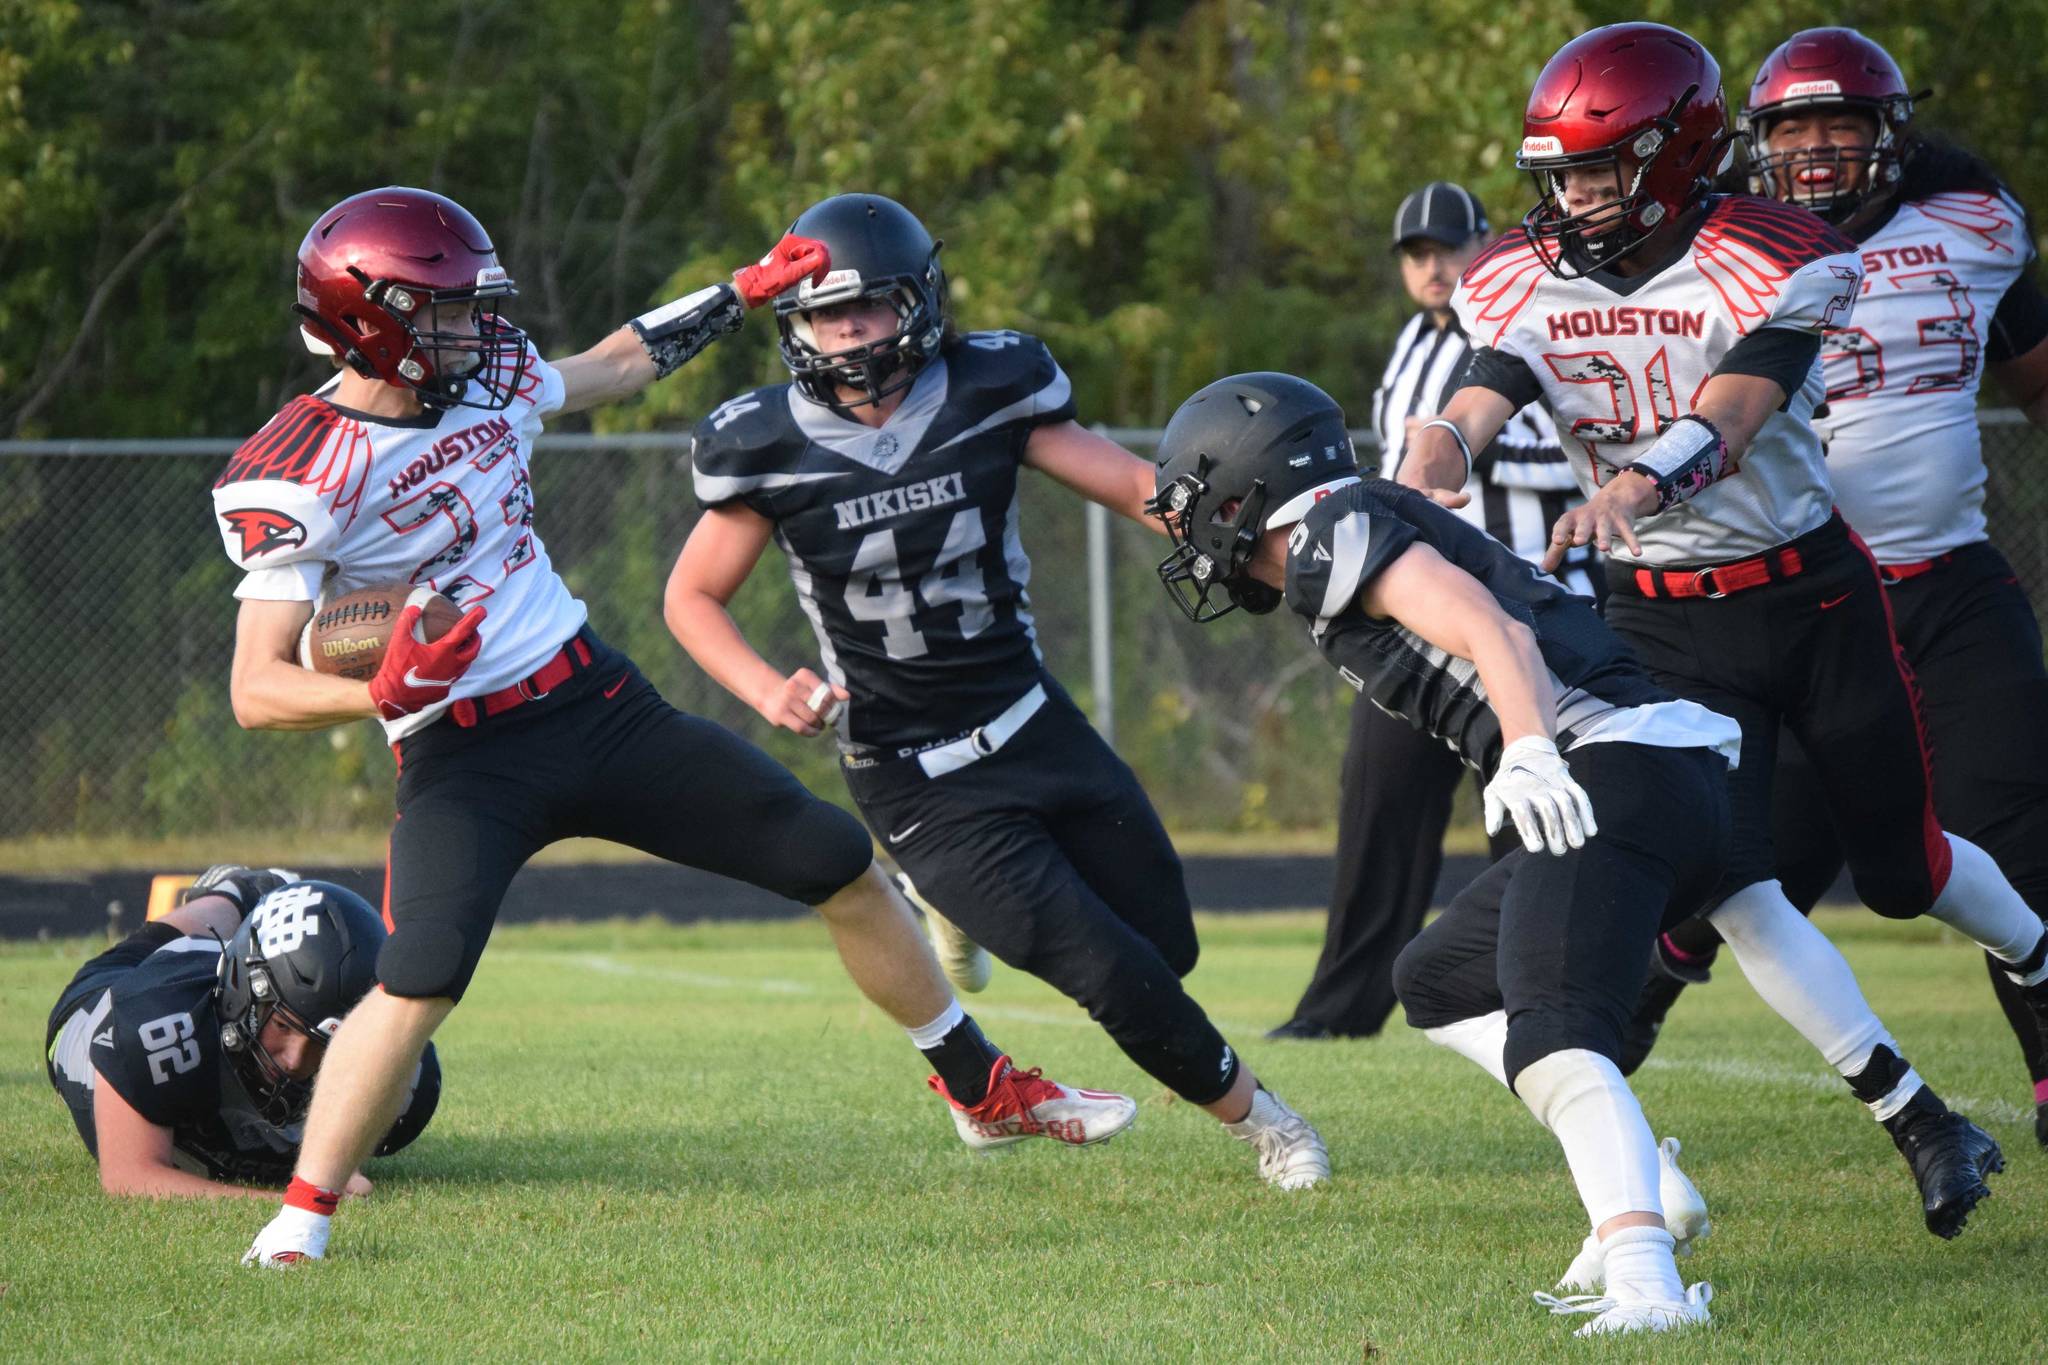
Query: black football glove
{"points": [[244, 886]]}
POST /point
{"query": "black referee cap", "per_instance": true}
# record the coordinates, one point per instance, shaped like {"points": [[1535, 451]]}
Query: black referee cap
{"points": [[1440, 211]]}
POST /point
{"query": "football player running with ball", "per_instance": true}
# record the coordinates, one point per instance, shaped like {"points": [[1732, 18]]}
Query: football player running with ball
{"points": [[887, 473], [1675, 335], [1948, 295], [187, 1051], [519, 726]]}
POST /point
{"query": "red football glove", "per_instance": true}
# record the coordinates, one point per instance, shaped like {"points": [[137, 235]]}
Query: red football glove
{"points": [[793, 258], [416, 674]]}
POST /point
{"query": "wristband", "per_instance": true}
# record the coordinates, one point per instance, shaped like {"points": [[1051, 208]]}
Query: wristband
{"points": [[1464, 447], [1689, 456]]}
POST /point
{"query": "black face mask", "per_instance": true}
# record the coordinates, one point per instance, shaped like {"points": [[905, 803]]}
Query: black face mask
{"points": [[1210, 556]]}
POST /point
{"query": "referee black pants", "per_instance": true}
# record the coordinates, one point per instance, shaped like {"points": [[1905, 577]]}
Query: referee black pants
{"points": [[1394, 805]]}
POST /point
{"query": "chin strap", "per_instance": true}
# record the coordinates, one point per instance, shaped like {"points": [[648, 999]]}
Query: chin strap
{"points": [[675, 332]]}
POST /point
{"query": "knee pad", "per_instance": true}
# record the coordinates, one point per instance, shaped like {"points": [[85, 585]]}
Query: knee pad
{"points": [[427, 961], [1895, 895], [1422, 1003], [825, 851]]}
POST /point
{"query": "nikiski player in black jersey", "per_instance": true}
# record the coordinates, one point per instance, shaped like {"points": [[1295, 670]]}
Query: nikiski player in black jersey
{"points": [[1534, 970], [887, 473]]}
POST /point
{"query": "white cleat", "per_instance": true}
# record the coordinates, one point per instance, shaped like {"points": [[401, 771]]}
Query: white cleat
{"points": [[1612, 1317], [1291, 1153], [966, 963], [291, 1238], [1023, 1104], [1685, 1218]]}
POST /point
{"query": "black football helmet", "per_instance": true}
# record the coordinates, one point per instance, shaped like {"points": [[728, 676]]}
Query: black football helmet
{"points": [[1242, 456], [304, 956], [879, 251]]}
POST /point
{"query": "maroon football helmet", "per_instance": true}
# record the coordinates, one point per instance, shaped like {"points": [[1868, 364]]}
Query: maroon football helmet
{"points": [[386, 279], [1642, 99], [1826, 68]]}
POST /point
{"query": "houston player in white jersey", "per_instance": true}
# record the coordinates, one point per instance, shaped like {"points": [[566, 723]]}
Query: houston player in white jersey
{"points": [[412, 466], [1948, 294], [1675, 335]]}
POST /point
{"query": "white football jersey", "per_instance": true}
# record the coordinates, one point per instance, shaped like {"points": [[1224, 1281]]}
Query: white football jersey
{"points": [[323, 501], [1901, 421], [1619, 360]]}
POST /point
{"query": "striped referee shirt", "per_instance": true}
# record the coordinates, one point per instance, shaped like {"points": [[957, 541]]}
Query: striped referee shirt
{"points": [[1520, 485]]}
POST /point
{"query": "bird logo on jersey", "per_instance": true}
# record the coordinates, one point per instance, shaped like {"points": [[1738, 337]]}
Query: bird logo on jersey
{"points": [[263, 530]]}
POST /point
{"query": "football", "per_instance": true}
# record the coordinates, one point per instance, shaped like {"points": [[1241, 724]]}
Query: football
{"points": [[347, 634]]}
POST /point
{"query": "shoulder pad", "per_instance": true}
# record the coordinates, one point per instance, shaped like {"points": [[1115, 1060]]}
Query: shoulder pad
{"points": [[1783, 234], [1011, 374], [159, 1045], [743, 444]]}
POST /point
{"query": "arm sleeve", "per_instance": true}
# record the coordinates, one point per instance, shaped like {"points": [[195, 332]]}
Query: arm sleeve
{"points": [[1783, 355], [1505, 373], [1331, 558], [2021, 322]]}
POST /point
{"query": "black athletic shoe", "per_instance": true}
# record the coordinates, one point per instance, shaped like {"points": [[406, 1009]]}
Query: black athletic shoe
{"points": [[1950, 1158], [1302, 1030]]}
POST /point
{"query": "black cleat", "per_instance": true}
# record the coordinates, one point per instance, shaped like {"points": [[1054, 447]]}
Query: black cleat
{"points": [[1301, 1030], [2041, 1124], [1950, 1157]]}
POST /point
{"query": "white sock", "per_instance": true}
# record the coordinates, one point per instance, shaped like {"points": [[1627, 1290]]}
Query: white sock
{"points": [[934, 1033], [1482, 1039], [1580, 1097], [1800, 975], [1980, 904], [1640, 1268]]}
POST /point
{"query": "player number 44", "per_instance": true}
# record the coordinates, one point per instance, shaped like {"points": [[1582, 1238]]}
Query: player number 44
{"points": [[875, 590]]}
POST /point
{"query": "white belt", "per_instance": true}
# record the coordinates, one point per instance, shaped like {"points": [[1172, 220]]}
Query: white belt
{"points": [[941, 759]]}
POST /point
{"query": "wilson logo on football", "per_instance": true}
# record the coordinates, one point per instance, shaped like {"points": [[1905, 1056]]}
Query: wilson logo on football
{"points": [[263, 530]]}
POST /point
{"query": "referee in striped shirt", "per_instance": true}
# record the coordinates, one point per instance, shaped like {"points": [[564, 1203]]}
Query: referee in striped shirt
{"points": [[1398, 783]]}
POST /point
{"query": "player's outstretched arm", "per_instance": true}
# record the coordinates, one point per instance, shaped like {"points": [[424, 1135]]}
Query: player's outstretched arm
{"points": [[1439, 456], [269, 689], [658, 343], [722, 550], [1096, 467]]}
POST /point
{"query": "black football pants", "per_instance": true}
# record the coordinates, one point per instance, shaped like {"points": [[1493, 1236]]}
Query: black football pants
{"points": [[1048, 854]]}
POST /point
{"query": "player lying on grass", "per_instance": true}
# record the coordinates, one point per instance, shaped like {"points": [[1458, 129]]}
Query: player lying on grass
{"points": [[888, 474], [1732, 578], [411, 466], [186, 1052], [1535, 968]]}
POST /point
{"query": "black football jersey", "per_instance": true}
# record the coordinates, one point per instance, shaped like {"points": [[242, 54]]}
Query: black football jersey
{"points": [[903, 540], [1351, 536], [155, 1037]]}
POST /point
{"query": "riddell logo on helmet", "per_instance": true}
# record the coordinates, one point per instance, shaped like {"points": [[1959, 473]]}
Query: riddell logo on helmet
{"points": [[1804, 89], [1542, 146]]}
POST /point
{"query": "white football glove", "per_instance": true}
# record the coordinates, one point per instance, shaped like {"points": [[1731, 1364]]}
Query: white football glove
{"points": [[293, 1237], [1534, 788]]}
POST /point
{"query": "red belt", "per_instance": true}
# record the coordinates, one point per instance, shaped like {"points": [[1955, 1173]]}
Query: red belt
{"points": [[1719, 580], [552, 674], [1899, 573]]}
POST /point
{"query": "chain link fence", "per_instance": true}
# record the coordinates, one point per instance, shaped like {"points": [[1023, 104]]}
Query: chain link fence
{"points": [[117, 620]]}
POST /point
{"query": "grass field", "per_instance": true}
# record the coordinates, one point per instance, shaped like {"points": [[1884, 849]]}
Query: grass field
{"points": [[664, 1142]]}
